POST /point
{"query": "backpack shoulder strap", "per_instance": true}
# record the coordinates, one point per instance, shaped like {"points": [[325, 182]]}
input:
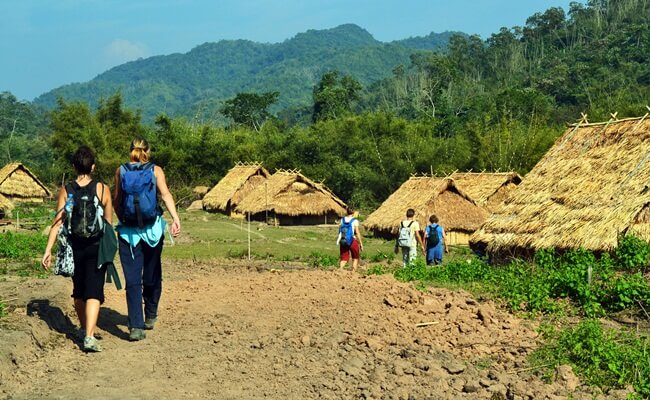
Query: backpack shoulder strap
{"points": [[411, 223]]}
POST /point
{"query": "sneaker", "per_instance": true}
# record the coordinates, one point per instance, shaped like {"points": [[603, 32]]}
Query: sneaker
{"points": [[149, 323], [91, 345], [136, 334]]}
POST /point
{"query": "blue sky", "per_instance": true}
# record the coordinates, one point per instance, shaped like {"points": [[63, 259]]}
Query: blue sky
{"points": [[49, 43]]}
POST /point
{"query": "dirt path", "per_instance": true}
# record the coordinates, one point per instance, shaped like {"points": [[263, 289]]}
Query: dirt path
{"points": [[252, 333]]}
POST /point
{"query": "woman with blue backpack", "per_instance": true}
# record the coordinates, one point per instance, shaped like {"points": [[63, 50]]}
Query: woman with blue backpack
{"points": [[349, 240], [141, 234], [435, 239]]}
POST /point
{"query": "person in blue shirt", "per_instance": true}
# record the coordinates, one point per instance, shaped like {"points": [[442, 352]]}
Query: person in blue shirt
{"points": [[435, 239], [140, 248]]}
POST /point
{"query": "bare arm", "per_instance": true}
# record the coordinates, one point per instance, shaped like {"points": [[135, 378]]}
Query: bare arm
{"points": [[168, 199], [444, 240], [104, 194], [46, 261], [358, 235]]}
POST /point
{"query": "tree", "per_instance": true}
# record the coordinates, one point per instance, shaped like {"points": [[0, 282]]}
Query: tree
{"points": [[334, 97], [250, 109]]}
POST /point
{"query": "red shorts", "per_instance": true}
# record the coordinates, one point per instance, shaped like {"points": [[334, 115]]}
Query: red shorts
{"points": [[346, 250]]}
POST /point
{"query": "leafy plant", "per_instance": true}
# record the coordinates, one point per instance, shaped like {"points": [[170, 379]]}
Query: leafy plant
{"points": [[320, 260]]}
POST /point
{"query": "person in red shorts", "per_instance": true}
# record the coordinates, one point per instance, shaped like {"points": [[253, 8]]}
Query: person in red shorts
{"points": [[349, 232]]}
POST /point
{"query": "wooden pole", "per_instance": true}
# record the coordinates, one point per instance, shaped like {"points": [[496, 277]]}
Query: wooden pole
{"points": [[249, 236]]}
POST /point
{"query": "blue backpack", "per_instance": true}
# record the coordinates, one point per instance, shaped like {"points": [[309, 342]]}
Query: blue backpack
{"points": [[139, 206], [347, 232]]}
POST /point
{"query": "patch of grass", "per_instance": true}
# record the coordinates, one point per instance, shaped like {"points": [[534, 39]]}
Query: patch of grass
{"points": [[20, 246], [376, 270], [320, 260], [605, 358], [3, 309]]}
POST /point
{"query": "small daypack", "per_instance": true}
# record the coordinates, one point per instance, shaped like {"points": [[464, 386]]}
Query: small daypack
{"points": [[139, 206], [86, 221], [432, 237], [404, 237], [347, 232]]}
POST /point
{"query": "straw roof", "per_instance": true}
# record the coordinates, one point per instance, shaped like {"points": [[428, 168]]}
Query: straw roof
{"points": [[5, 204], [291, 193], [487, 189], [428, 195], [242, 178], [590, 187], [18, 181]]}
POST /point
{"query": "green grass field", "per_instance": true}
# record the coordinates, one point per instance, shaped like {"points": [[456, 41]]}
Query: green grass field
{"points": [[208, 236]]}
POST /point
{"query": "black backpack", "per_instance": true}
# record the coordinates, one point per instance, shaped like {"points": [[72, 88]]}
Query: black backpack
{"points": [[432, 237], [86, 221]]}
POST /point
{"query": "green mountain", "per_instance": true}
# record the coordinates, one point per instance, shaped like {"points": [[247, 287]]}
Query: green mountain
{"points": [[198, 81]]}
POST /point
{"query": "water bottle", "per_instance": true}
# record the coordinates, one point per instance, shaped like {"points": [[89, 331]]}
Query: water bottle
{"points": [[69, 205]]}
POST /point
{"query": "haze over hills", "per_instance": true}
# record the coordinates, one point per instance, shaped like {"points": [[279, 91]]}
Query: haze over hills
{"points": [[199, 80]]}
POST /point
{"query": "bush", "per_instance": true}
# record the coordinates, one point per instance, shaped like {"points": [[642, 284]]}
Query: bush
{"points": [[19, 246], [604, 358]]}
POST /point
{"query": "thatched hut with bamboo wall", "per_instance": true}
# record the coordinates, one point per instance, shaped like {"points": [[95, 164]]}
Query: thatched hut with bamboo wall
{"points": [[5, 206], [488, 189], [591, 187], [290, 198], [457, 212], [233, 187], [19, 184]]}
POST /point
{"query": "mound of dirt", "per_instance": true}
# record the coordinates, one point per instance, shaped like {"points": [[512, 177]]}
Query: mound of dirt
{"points": [[253, 332]]}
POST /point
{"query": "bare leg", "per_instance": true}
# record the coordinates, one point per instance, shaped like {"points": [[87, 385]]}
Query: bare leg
{"points": [[80, 308], [342, 264], [355, 264], [92, 313]]}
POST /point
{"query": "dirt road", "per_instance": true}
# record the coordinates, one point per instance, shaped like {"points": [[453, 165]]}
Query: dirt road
{"points": [[249, 332]]}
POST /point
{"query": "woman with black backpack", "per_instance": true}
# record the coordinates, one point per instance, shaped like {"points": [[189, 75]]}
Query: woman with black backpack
{"points": [[141, 234], [83, 207]]}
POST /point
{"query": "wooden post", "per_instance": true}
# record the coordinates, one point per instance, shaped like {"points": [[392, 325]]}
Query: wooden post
{"points": [[249, 236], [17, 220]]}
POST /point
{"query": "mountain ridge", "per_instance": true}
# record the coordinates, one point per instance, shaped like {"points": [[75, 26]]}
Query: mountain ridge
{"points": [[180, 83]]}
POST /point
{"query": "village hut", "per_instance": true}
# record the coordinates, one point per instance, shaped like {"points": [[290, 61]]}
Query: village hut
{"points": [[457, 211], [290, 198], [590, 188], [19, 184], [5, 206], [488, 189], [233, 187]]}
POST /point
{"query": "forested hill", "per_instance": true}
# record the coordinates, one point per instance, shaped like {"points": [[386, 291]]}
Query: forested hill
{"points": [[198, 81]]}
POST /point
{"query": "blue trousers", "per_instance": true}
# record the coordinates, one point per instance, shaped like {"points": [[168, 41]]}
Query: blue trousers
{"points": [[143, 275]]}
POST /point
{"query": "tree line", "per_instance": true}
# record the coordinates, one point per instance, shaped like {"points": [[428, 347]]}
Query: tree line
{"points": [[495, 104]]}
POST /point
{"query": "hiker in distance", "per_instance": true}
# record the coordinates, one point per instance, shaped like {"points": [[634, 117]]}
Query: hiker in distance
{"points": [[83, 208], [349, 240], [141, 234], [409, 237], [435, 238]]}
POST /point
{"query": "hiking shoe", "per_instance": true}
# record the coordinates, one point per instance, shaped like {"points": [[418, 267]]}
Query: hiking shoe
{"points": [[91, 345], [136, 334], [80, 333], [149, 323]]}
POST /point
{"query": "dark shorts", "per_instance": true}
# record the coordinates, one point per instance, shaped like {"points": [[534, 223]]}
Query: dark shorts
{"points": [[88, 280], [345, 251]]}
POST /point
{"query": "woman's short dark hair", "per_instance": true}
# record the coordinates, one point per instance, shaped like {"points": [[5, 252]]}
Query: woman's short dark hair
{"points": [[349, 210], [433, 219], [83, 160]]}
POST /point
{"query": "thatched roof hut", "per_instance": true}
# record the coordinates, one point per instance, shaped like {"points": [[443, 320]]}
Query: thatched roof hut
{"points": [[457, 212], [5, 206], [290, 198], [18, 183], [487, 189], [589, 188], [232, 188]]}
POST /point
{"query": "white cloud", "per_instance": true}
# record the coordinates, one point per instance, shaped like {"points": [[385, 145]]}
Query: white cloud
{"points": [[120, 51]]}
